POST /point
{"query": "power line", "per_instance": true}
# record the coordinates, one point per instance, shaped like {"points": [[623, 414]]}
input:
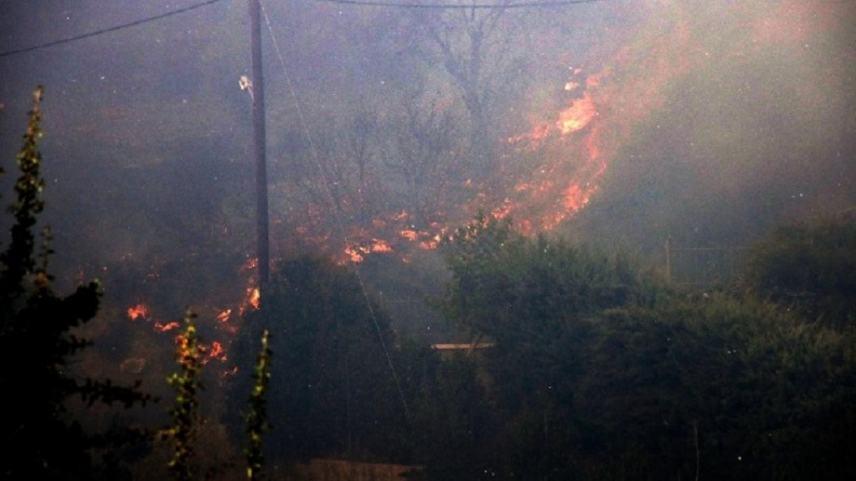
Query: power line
{"points": [[336, 214], [460, 6], [109, 29]]}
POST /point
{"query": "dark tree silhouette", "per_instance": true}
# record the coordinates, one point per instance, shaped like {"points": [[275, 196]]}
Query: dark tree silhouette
{"points": [[37, 344]]}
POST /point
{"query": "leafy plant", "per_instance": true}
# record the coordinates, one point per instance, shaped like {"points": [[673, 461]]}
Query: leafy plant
{"points": [[811, 267], [185, 411], [37, 344], [257, 422]]}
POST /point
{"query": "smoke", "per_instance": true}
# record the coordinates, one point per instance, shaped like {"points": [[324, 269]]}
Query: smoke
{"points": [[749, 123], [619, 122]]}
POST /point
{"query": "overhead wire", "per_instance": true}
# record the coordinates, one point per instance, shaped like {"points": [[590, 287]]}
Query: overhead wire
{"points": [[114, 28], [301, 116], [461, 6], [336, 214]]}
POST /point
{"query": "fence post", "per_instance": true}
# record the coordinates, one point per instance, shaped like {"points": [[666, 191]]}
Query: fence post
{"points": [[669, 260]]}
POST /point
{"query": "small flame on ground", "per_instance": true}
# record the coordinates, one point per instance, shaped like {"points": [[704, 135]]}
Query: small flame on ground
{"points": [[138, 311], [356, 253], [166, 327], [409, 234], [252, 299], [224, 315]]}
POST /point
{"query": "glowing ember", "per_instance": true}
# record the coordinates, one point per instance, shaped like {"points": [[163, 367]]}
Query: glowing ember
{"points": [[251, 264], [166, 327], [356, 253], [223, 316], [409, 234], [502, 211], [140, 311], [213, 351], [253, 299], [217, 351], [380, 245]]}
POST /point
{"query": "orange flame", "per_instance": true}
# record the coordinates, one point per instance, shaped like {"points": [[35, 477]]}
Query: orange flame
{"points": [[138, 311], [252, 299], [356, 253], [409, 234], [223, 316], [215, 351], [169, 326], [577, 116]]}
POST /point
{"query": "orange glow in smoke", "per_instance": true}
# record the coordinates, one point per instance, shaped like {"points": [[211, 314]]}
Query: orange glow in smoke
{"points": [[577, 116]]}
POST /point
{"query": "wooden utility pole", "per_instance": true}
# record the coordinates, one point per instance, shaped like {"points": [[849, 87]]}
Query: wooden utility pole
{"points": [[259, 146]]}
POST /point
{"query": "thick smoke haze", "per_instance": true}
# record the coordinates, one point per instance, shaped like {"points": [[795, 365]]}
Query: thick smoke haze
{"points": [[622, 123], [619, 124], [699, 102]]}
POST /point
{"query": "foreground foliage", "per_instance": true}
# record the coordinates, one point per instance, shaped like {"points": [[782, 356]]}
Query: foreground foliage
{"points": [[599, 372], [38, 345], [185, 412], [811, 267], [257, 420], [330, 382]]}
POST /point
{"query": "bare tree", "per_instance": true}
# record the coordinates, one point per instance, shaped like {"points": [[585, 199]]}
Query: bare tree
{"points": [[361, 134], [423, 154], [474, 48]]}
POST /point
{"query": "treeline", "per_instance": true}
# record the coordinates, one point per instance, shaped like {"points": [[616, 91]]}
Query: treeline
{"points": [[602, 372]]}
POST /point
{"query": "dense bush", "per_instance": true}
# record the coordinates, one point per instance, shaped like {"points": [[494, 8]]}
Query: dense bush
{"points": [[601, 373], [811, 267], [37, 347], [331, 391], [731, 387]]}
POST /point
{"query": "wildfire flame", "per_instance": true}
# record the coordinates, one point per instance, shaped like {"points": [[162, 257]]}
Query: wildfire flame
{"points": [[356, 253], [224, 315], [166, 327], [577, 116], [250, 264], [214, 351], [252, 299], [140, 311]]}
